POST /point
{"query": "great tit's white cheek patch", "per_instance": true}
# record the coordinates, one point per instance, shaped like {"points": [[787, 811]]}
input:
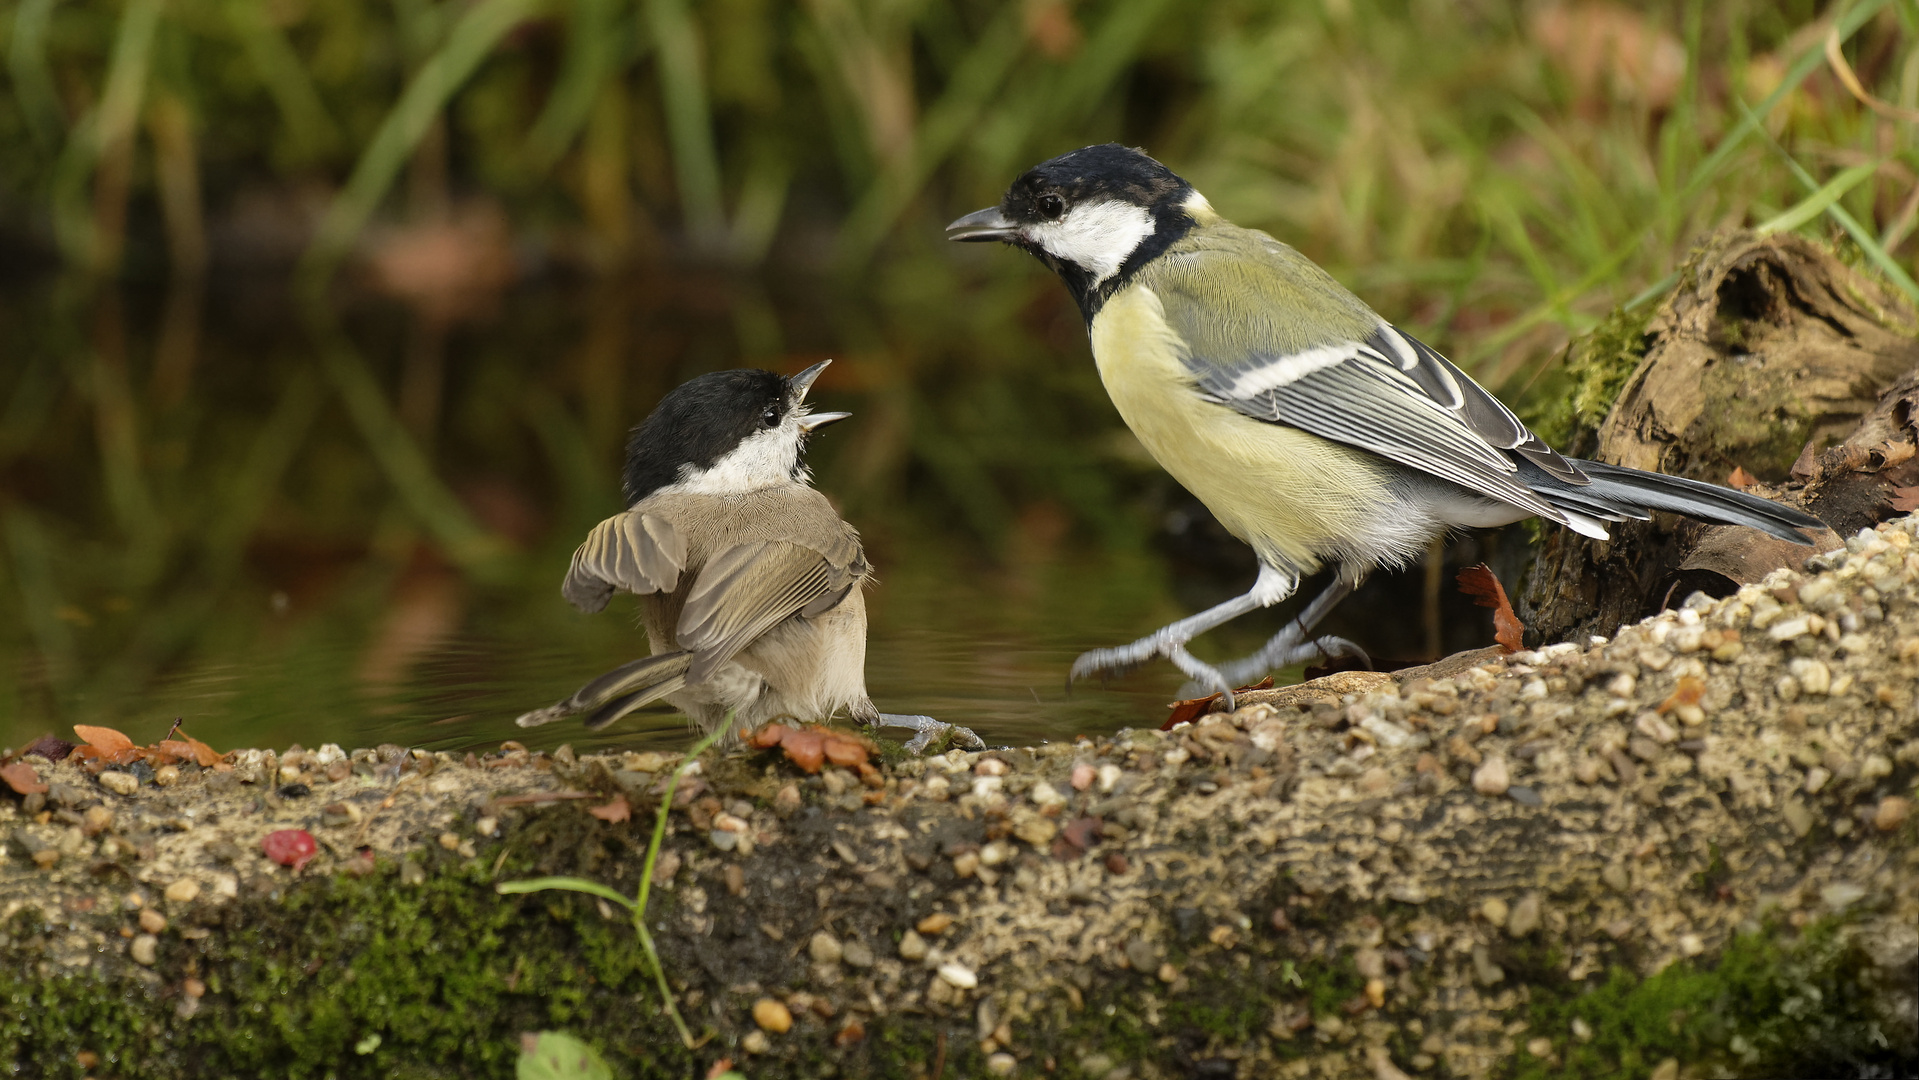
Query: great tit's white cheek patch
{"points": [[762, 460], [1096, 237]]}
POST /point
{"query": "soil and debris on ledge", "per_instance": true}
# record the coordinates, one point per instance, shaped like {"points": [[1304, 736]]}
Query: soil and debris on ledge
{"points": [[1687, 851]]}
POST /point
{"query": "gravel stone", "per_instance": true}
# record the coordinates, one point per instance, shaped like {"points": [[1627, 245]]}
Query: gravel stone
{"points": [[824, 948], [1492, 777]]}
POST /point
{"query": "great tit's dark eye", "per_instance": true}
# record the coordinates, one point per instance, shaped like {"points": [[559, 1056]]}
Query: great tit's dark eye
{"points": [[771, 417], [1052, 206]]}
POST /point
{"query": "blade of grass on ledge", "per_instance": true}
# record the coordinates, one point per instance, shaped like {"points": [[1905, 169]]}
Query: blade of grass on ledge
{"points": [[470, 42], [570, 884]]}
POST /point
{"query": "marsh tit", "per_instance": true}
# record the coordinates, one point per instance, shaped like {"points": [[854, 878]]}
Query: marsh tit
{"points": [[750, 583]]}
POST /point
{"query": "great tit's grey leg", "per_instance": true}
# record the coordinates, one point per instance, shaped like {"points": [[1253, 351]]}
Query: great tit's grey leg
{"points": [[1170, 641], [1292, 645], [930, 730]]}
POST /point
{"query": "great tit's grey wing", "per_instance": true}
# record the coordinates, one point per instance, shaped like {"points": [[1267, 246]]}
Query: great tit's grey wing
{"points": [[634, 551], [748, 589], [1375, 388]]}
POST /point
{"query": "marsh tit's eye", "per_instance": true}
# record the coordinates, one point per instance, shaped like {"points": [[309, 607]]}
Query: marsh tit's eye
{"points": [[771, 417], [1051, 206]]}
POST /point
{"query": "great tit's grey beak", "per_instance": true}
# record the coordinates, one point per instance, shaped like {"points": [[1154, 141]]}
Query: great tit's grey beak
{"points": [[803, 382], [815, 421], [981, 225]]}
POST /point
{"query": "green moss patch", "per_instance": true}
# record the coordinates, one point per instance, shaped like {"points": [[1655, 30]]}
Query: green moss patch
{"points": [[1763, 1007], [1568, 403]]}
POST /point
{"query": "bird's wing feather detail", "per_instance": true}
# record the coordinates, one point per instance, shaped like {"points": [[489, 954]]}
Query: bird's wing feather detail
{"points": [[1367, 401], [748, 589], [635, 551], [1454, 390]]}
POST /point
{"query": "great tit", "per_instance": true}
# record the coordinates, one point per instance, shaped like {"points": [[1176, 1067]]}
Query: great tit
{"points": [[750, 582], [1313, 429]]}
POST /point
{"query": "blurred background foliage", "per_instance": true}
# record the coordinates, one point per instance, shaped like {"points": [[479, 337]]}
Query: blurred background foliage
{"points": [[324, 319]]}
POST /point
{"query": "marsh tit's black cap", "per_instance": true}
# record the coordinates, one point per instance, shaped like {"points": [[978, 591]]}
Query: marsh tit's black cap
{"points": [[725, 432]]}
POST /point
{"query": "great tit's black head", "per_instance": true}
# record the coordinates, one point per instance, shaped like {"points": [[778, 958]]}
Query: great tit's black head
{"points": [[725, 433], [1094, 215]]}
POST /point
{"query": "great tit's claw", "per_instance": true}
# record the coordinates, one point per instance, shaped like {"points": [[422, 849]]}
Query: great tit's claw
{"points": [[1286, 649], [1121, 659]]}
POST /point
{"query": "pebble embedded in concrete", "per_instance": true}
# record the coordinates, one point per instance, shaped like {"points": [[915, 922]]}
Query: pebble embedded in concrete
{"points": [[912, 947], [824, 948], [1492, 777], [772, 1015]]}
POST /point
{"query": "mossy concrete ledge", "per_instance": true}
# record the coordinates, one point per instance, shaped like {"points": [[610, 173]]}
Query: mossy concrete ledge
{"points": [[1687, 851]]}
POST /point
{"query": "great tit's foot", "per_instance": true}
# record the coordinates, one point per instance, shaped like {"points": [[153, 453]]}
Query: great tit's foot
{"points": [[1172, 647], [931, 731], [1288, 647]]}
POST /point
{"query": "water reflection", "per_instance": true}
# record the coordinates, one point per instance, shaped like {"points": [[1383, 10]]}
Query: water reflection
{"points": [[352, 529]]}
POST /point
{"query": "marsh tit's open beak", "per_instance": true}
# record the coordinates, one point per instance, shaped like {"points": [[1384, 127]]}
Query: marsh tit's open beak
{"points": [[980, 225], [803, 382], [815, 421]]}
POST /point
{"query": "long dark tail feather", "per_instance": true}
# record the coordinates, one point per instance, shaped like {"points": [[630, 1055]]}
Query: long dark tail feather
{"points": [[1617, 491], [628, 687]]}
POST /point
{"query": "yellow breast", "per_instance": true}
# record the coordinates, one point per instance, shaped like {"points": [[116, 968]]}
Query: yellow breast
{"points": [[1270, 485]]}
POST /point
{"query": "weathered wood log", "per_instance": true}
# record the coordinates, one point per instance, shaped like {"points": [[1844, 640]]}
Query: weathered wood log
{"points": [[1694, 844], [1769, 352]]}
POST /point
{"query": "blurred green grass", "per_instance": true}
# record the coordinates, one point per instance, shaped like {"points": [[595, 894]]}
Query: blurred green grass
{"points": [[340, 294]]}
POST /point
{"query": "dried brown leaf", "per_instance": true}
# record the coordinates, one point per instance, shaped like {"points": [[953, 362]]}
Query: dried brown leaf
{"points": [[1483, 586], [22, 779], [104, 740], [1905, 499], [1190, 709], [615, 811]]}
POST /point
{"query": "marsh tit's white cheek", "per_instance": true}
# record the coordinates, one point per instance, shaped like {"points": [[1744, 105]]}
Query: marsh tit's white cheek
{"points": [[1097, 237], [762, 460]]}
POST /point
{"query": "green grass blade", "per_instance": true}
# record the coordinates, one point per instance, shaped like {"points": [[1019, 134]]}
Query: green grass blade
{"points": [[1754, 120], [468, 544], [689, 123], [32, 75], [592, 56], [111, 120], [1819, 201], [285, 76], [968, 93], [471, 40], [1861, 235], [565, 884]]}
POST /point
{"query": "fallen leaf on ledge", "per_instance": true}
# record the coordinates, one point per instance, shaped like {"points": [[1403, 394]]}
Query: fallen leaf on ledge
{"points": [[1483, 586]]}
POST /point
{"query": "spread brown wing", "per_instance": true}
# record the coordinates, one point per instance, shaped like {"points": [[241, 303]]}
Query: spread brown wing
{"points": [[634, 551], [748, 589]]}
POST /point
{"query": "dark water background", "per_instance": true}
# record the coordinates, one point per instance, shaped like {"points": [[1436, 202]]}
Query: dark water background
{"points": [[283, 529]]}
